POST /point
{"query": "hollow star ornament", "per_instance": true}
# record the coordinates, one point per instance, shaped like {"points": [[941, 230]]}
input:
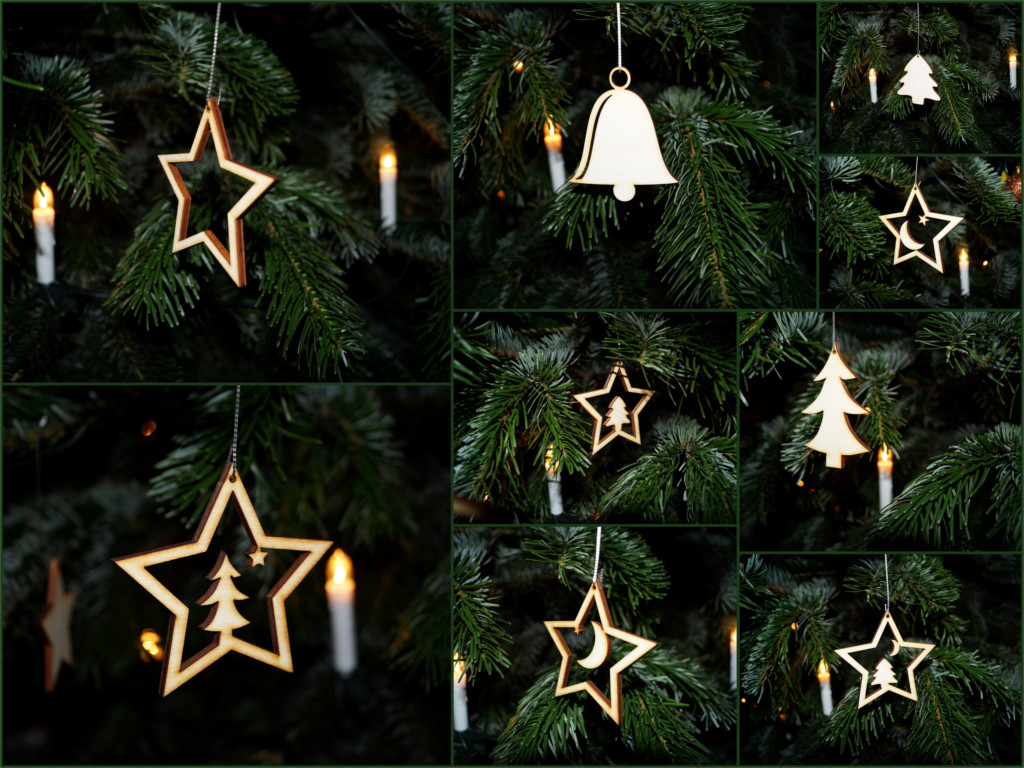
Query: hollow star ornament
{"points": [[56, 624], [616, 416], [175, 672], [883, 675], [231, 258], [835, 437], [611, 704], [903, 238]]}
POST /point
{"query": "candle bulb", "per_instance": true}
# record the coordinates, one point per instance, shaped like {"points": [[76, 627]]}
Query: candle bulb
{"points": [[151, 648], [884, 477], [732, 660], [1013, 70], [872, 78], [43, 216], [341, 598], [825, 681], [554, 481], [388, 190], [460, 699], [965, 277], [556, 165]]}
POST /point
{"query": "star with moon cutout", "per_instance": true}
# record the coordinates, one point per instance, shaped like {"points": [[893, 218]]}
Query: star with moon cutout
{"points": [[611, 704], [56, 623], [175, 672], [903, 238], [231, 258], [617, 405], [885, 685]]}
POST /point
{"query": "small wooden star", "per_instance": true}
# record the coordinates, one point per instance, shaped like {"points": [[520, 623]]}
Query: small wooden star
{"points": [[175, 672], [611, 704], [231, 258], [56, 623], [903, 238], [885, 684], [616, 417]]}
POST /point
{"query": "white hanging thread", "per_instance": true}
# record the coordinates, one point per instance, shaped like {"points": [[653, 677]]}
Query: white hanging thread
{"points": [[233, 455], [886, 585], [919, 28], [213, 58], [833, 329], [597, 553], [618, 29]]}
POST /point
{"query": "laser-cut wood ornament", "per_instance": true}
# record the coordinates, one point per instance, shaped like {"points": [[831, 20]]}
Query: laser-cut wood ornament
{"points": [[612, 703], [903, 238], [231, 258], [835, 437], [883, 675], [615, 415], [917, 83], [55, 621], [175, 671]]}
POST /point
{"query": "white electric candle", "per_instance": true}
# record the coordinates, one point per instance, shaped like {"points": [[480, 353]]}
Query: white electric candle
{"points": [[388, 190], [341, 598], [884, 477], [460, 699], [1013, 70], [965, 277], [825, 681], [732, 660], [556, 165], [43, 217], [554, 482], [872, 78]]}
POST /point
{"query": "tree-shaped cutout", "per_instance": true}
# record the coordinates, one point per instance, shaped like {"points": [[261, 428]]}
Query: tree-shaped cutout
{"points": [[917, 83], [835, 437], [222, 594], [617, 415], [883, 673]]}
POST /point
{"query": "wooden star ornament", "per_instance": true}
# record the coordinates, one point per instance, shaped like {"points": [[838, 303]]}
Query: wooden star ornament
{"points": [[611, 704], [56, 624], [904, 239], [175, 671], [616, 415], [231, 258], [882, 675]]}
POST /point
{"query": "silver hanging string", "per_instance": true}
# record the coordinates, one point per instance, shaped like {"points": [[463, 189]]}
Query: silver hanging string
{"points": [[919, 28], [618, 29], [233, 455], [833, 329], [597, 554], [886, 585], [213, 58], [917, 161]]}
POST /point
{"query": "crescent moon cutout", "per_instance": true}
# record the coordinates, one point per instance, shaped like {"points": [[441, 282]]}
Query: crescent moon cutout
{"points": [[907, 240], [895, 649], [599, 655]]}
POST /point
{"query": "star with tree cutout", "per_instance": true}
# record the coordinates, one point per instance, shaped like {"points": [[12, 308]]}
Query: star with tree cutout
{"points": [[56, 624], [611, 704], [903, 238], [882, 675], [175, 672], [231, 258], [616, 416]]}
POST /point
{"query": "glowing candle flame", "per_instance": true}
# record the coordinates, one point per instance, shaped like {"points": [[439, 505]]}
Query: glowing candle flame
{"points": [[823, 673], [44, 196], [963, 256], [871, 75], [517, 65], [552, 136], [458, 668], [388, 160], [150, 641], [339, 568]]}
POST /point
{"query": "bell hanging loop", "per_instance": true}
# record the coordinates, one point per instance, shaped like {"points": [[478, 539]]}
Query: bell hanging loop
{"points": [[621, 146]]}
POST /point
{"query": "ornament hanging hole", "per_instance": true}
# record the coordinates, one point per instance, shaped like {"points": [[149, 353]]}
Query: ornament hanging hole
{"points": [[611, 78]]}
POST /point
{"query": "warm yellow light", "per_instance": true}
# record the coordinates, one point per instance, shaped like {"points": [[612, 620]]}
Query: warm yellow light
{"points": [[550, 465], [884, 457], [1013, 59], [44, 196], [832, 106], [339, 567], [150, 641], [458, 668], [984, 263], [871, 75], [799, 483], [794, 626], [552, 136], [517, 65], [501, 194], [388, 159], [964, 257], [732, 637], [823, 673], [148, 428]]}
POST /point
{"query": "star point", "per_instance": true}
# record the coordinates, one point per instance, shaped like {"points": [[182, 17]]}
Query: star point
{"points": [[633, 435], [231, 258], [56, 624], [885, 686]]}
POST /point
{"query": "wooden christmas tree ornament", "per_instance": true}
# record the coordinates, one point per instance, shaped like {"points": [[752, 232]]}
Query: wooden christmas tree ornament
{"points": [[917, 83], [621, 146], [611, 704], [883, 675], [616, 415], [56, 624], [912, 246], [835, 437], [231, 258], [224, 616]]}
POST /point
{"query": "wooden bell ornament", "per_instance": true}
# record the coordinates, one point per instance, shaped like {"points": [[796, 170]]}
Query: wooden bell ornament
{"points": [[621, 146]]}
